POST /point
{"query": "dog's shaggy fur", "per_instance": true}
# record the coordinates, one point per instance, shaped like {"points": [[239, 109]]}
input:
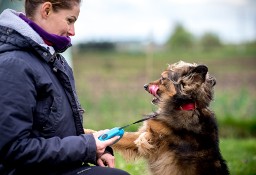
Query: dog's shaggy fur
{"points": [[183, 137]]}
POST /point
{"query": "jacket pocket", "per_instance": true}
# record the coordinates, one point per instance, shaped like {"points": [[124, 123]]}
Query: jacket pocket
{"points": [[46, 116]]}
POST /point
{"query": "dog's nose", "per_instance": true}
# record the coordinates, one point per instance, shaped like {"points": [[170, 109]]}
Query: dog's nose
{"points": [[146, 86]]}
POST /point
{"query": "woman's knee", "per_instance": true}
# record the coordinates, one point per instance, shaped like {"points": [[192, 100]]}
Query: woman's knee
{"points": [[96, 170]]}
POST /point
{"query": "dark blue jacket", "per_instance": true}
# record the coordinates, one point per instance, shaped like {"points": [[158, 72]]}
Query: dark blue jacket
{"points": [[41, 129]]}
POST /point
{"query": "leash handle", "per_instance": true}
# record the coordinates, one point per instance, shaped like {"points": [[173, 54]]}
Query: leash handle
{"points": [[117, 131]]}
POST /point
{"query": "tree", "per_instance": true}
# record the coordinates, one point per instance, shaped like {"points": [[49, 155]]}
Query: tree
{"points": [[180, 39], [209, 41]]}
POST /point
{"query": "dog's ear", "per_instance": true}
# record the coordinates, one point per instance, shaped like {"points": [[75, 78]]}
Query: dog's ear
{"points": [[201, 69], [194, 78], [199, 73]]}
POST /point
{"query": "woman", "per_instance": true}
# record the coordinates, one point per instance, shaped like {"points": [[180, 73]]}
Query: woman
{"points": [[40, 117]]}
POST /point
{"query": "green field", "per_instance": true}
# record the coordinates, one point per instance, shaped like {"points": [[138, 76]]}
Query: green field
{"points": [[110, 88]]}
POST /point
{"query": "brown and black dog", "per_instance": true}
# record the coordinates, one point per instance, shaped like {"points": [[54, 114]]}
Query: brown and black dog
{"points": [[182, 138]]}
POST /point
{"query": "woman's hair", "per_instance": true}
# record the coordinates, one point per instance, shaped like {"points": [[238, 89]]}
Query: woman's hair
{"points": [[31, 5]]}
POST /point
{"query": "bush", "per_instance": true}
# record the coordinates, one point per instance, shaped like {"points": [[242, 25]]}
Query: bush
{"points": [[209, 41]]}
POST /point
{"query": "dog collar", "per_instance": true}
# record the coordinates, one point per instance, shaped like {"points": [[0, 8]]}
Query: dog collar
{"points": [[187, 107]]}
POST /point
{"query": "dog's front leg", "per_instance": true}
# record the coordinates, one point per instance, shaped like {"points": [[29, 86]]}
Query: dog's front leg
{"points": [[126, 145], [127, 141], [89, 131]]}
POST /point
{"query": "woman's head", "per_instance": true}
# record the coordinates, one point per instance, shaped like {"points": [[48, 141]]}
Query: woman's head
{"points": [[32, 5], [54, 16]]}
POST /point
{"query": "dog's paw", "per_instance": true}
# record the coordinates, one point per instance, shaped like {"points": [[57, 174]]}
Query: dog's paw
{"points": [[143, 143], [89, 131]]}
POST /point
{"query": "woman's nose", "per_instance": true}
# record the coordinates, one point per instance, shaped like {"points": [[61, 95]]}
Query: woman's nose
{"points": [[71, 31]]}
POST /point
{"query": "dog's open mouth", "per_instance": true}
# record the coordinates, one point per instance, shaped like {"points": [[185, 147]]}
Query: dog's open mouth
{"points": [[153, 90]]}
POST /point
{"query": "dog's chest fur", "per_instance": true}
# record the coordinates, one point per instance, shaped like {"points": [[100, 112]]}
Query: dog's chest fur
{"points": [[174, 147]]}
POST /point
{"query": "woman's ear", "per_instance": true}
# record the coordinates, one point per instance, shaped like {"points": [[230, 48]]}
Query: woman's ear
{"points": [[46, 9]]}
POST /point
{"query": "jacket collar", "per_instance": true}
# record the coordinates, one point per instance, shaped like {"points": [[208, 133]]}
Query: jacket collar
{"points": [[10, 18]]}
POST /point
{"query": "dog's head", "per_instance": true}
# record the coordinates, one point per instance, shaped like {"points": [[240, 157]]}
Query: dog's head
{"points": [[180, 84]]}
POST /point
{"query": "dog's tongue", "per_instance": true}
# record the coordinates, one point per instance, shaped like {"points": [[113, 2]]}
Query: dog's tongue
{"points": [[153, 89]]}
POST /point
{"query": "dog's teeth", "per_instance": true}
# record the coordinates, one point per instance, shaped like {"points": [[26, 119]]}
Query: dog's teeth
{"points": [[155, 101]]}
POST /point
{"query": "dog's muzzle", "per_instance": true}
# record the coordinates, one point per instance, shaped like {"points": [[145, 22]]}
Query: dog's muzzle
{"points": [[152, 89], [146, 87]]}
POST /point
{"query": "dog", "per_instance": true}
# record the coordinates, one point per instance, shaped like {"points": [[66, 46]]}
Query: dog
{"points": [[181, 136]]}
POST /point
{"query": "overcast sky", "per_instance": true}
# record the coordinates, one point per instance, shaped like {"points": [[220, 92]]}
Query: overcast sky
{"points": [[231, 20]]}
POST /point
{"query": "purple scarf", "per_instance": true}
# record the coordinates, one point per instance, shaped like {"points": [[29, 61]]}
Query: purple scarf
{"points": [[59, 43]]}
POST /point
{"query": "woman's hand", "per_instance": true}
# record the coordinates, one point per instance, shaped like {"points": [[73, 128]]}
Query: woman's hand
{"points": [[101, 145], [106, 160]]}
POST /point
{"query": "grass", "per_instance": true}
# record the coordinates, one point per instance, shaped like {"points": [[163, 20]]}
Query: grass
{"points": [[110, 88], [236, 113], [240, 155]]}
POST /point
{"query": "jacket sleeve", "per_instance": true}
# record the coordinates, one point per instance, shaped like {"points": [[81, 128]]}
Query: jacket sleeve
{"points": [[17, 144]]}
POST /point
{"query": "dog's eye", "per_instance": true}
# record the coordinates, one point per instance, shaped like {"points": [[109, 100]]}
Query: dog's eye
{"points": [[182, 84], [162, 79]]}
